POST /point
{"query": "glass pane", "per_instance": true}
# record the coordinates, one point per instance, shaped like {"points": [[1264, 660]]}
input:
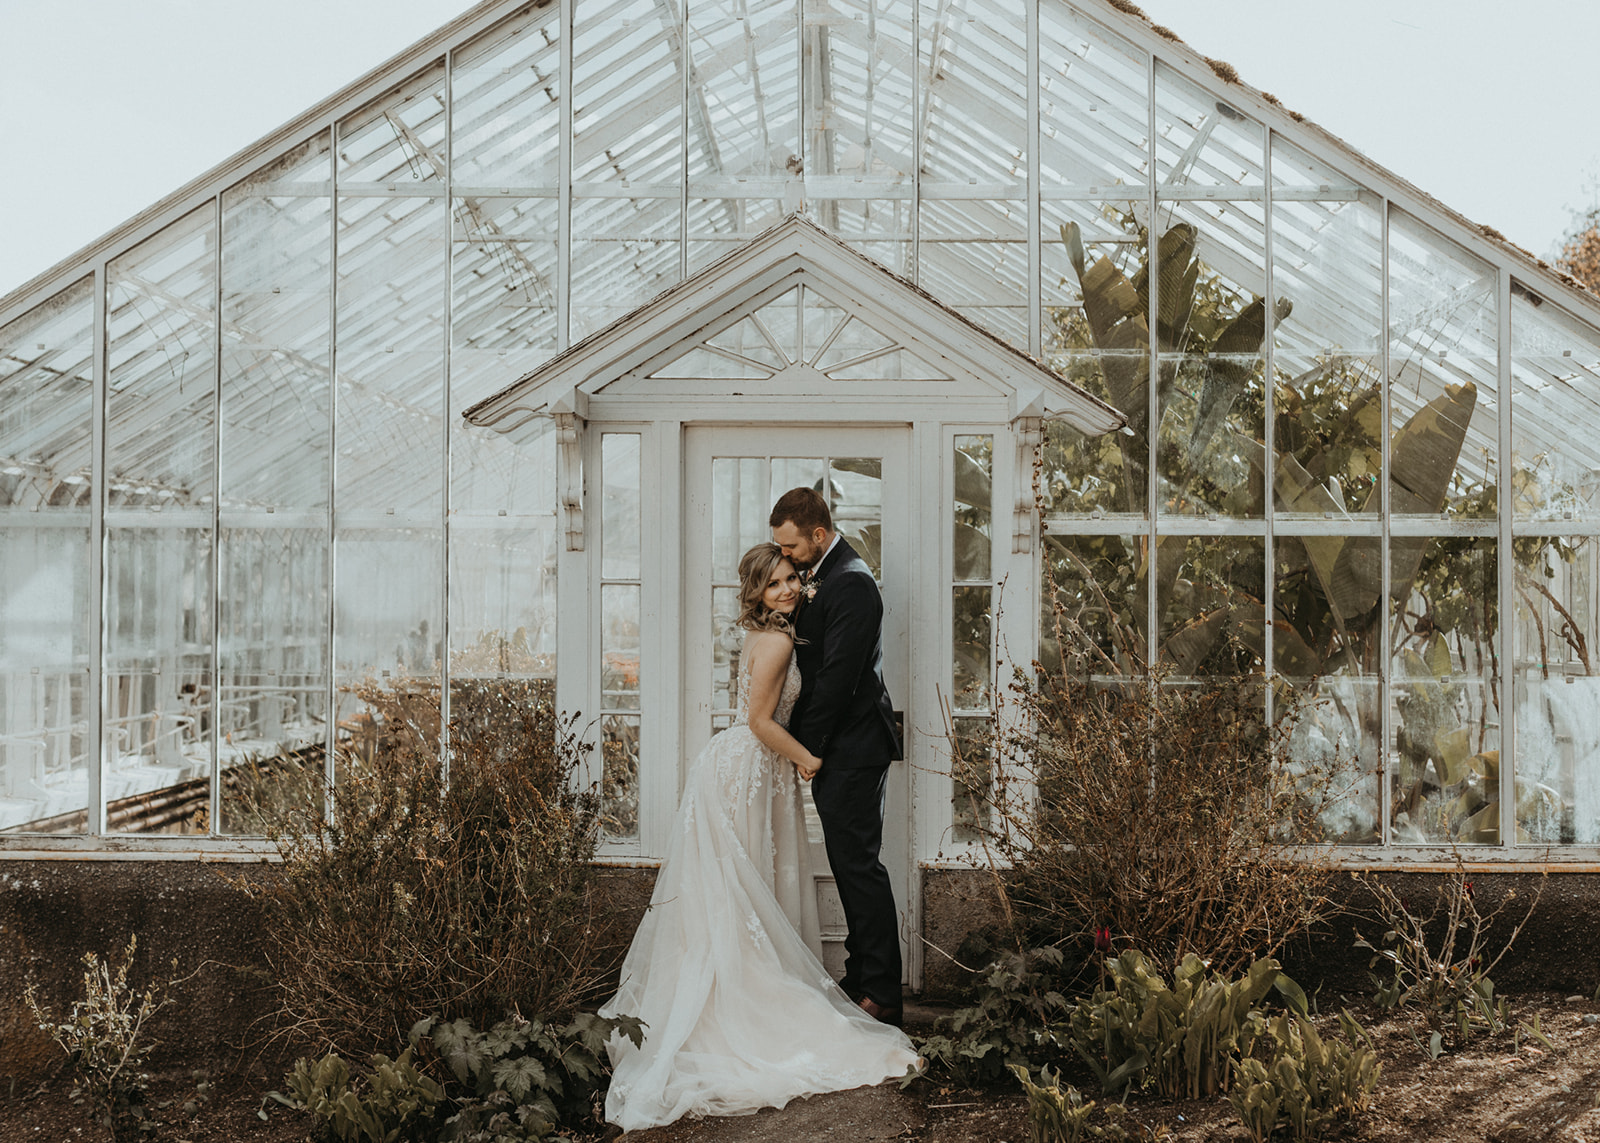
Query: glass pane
{"points": [[719, 226], [1327, 238], [272, 642], [855, 494], [1325, 606], [1444, 366], [1446, 694], [972, 649], [740, 504], [625, 252], [619, 784], [398, 138], [743, 104], [503, 313], [1202, 143], [158, 679], [390, 406], [727, 645], [503, 606], [1211, 333], [619, 646], [506, 87], [388, 594], [860, 122], [1093, 104], [1558, 691], [1096, 335], [1209, 591], [974, 258], [973, 60], [1555, 371], [972, 778], [619, 512], [627, 93], [974, 498], [1334, 744], [160, 453], [1093, 604], [46, 407], [276, 283]]}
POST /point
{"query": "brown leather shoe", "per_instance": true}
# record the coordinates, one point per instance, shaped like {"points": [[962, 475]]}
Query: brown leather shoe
{"points": [[880, 1013]]}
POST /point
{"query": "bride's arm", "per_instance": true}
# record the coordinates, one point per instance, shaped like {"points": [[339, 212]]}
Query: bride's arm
{"points": [[769, 653]]}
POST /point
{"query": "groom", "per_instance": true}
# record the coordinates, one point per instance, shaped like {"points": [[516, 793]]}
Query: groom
{"points": [[844, 717]]}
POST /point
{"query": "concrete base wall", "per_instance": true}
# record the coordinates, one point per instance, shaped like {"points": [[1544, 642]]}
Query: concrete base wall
{"points": [[52, 912]]}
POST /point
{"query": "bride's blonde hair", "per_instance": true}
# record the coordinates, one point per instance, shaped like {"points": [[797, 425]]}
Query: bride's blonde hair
{"points": [[755, 571]]}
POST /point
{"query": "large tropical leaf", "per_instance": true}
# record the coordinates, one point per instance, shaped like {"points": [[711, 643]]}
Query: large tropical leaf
{"points": [[1226, 376], [1422, 461]]}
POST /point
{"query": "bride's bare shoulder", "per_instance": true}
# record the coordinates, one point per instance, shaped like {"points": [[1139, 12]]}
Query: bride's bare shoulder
{"points": [[768, 647]]}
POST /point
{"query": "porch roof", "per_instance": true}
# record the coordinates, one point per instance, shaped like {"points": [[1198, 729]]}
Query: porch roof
{"points": [[795, 251]]}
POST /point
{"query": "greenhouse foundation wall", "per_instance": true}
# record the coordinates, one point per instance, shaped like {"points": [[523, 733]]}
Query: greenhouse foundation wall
{"points": [[54, 911]]}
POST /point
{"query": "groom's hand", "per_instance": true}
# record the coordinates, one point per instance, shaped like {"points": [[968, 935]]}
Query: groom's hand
{"points": [[808, 770]]}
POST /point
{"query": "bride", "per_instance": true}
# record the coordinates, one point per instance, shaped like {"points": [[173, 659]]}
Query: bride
{"points": [[726, 969]]}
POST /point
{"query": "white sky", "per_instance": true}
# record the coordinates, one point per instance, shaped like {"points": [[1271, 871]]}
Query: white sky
{"points": [[107, 105]]}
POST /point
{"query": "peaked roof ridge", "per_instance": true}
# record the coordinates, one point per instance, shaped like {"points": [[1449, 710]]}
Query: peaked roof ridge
{"points": [[771, 241], [1121, 16]]}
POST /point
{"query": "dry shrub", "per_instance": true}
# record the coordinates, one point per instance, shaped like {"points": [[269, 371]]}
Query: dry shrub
{"points": [[1580, 253], [1169, 814], [420, 898]]}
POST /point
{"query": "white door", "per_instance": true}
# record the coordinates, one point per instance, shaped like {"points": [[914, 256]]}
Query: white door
{"points": [[732, 478]]}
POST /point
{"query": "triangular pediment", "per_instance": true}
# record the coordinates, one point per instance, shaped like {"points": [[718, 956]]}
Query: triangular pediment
{"points": [[794, 313]]}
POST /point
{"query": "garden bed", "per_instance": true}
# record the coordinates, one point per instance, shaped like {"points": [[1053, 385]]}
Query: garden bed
{"points": [[1504, 1086]]}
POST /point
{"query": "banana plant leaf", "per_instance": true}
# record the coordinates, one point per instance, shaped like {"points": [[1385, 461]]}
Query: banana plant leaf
{"points": [[1292, 656], [1187, 647], [1422, 461], [1226, 377]]}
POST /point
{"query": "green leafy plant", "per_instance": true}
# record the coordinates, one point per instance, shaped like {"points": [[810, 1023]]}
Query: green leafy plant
{"points": [[1440, 962], [394, 1102], [1056, 1113], [1303, 1081], [522, 1078], [1179, 1039], [105, 1038], [420, 896], [1013, 1022]]}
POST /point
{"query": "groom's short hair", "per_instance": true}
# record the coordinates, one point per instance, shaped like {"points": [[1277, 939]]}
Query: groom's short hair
{"points": [[804, 508]]}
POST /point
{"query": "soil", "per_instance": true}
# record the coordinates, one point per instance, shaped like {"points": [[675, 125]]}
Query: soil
{"points": [[1507, 1087]]}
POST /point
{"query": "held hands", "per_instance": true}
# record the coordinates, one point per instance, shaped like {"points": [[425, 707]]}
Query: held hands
{"points": [[809, 767]]}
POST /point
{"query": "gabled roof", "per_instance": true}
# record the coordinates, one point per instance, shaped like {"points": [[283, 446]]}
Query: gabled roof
{"points": [[795, 252]]}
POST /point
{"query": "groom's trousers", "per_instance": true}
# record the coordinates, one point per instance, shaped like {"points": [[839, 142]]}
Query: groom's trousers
{"points": [[849, 802]]}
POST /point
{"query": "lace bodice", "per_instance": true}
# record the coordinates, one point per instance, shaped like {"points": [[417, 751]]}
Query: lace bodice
{"points": [[786, 697]]}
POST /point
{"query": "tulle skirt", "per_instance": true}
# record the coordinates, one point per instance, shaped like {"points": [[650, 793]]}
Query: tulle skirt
{"points": [[726, 968]]}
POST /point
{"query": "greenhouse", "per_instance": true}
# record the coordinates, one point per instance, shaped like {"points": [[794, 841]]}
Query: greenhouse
{"points": [[490, 365]]}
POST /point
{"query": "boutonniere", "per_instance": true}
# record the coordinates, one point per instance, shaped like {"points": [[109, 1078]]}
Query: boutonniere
{"points": [[808, 590]]}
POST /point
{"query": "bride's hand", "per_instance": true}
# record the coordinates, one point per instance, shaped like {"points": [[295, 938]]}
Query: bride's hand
{"points": [[808, 769]]}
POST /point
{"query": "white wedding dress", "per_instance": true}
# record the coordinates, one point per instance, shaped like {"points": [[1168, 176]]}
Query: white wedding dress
{"points": [[726, 968]]}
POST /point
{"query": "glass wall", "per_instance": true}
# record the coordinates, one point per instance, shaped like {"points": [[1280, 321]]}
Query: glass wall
{"points": [[46, 585], [257, 405]]}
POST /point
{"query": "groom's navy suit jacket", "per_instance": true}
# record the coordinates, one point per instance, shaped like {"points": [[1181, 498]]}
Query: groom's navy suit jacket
{"points": [[843, 714]]}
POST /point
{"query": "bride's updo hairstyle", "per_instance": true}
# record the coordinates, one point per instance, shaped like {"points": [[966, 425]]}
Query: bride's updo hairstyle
{"points": [[755, 572]]}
